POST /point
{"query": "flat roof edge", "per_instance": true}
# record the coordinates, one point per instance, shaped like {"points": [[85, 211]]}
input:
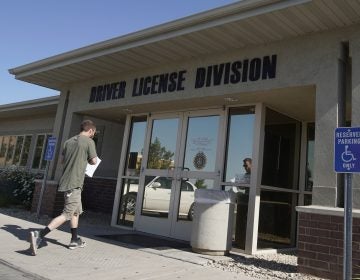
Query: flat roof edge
{"points": [[40, 102]]}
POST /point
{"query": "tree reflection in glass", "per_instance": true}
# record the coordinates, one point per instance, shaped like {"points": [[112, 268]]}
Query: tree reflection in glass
{"points": [[163, 144], [159, 157]]}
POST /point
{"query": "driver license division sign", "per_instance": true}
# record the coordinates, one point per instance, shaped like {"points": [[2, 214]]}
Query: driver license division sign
{"points": [[347, 150]]}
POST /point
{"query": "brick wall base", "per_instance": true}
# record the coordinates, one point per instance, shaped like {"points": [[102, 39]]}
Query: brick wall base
{"points": [[52, 201], [98, 196], [320, 244]]}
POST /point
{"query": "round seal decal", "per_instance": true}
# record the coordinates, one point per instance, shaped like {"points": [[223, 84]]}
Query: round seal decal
{"points": [[200, 160]]}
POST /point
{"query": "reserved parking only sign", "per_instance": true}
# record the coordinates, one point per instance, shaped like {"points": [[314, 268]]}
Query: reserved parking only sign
{"points": [[50, 149], [347, 150]]}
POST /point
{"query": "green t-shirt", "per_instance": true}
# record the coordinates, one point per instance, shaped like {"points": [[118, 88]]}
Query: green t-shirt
{"points": [[77, 151]]}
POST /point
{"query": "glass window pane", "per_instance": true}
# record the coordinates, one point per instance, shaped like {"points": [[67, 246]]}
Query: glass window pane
{"points": [[281, 151], [26, 150], [240, 145], [38, 151], [310, 157], [18, 148], [163, 144], [201, 143], [3, 150], [187, 191], [307, 199], [10, 151], [202, 183], [156, 200], [276, 219], [99, 138], [127, 208], [136, 146], [240, 215]]}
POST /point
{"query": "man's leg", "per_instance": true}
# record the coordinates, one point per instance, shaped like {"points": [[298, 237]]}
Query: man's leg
{"points": [[70, 205], [56, 222], [76, 242], [74, 222], [37, 236]]}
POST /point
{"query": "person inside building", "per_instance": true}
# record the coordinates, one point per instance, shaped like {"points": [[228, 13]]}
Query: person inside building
{"points": [[77, 153], [244, 177]]}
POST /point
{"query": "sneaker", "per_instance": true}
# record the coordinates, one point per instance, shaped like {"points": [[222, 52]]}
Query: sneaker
{"points": [[79, 243], [35, 241]]}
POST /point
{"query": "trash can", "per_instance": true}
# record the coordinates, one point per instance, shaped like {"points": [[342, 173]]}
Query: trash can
{"points": [[212, 224]]}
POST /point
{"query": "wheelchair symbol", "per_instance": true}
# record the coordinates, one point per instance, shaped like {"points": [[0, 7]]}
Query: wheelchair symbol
{"points": [[347, 156]]}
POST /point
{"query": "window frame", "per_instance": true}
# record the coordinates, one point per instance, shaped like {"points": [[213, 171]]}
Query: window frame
{"points": [[43, 148], [14, 151]]}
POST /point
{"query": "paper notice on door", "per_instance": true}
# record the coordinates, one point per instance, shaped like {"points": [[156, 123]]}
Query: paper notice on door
{"points": [[90, 168]]}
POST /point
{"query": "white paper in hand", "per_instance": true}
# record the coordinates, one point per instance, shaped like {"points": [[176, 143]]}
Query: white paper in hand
{"points": [[90, 168]]}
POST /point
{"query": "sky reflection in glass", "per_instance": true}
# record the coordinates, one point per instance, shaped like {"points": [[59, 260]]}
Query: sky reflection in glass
{"points": [[202, 141], [240, 143]]}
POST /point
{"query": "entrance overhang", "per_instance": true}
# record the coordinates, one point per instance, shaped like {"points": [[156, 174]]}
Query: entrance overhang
{"points": [[242, 24]]}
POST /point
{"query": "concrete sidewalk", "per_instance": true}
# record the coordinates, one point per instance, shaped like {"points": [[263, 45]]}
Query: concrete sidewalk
{"points": [[100, 259]]}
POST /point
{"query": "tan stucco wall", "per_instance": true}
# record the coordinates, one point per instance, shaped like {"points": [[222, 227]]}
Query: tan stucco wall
{"points": [[36, 124]]}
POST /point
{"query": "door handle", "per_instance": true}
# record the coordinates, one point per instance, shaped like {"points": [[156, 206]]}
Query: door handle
{"points": [[168, 173], [182, 175]]}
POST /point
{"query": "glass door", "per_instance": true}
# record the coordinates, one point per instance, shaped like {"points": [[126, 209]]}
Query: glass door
{"points": [[181, 155], [157, 180], [279, 182], [198, 165]]}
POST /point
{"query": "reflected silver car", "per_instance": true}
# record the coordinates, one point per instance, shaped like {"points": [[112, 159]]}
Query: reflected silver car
{"points": [[157, 197]]}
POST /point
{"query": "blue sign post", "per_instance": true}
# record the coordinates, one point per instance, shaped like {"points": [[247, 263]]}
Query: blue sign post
{"points": [[347, 160], [48, 156], [50, 148]]}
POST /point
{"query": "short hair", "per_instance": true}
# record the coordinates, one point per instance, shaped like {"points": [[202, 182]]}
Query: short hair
{"points": [[247, 159], [86, 125]]}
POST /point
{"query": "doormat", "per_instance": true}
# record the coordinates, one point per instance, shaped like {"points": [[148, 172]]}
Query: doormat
{"points": [[145, 241]]}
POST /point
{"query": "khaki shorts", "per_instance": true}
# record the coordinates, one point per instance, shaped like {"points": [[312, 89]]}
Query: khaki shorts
{"points": [[72, 204]]}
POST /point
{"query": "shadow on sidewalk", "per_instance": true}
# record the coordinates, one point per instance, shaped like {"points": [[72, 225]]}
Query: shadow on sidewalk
{"points": [[92, 225], [23, 234], [141, 240]]}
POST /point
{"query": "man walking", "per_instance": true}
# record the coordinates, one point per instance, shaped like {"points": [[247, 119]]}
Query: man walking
{"points": [[78, 151]]}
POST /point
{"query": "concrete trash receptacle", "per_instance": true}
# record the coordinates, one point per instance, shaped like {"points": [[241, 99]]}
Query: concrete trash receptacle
{"points": [[212, 224]]}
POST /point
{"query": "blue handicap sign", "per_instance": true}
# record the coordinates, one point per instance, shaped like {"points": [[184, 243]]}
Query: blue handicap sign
{"points": [[50, 148], [347, 150]]}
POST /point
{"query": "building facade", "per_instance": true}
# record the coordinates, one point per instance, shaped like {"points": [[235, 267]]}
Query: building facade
{"points": [[25, 127], [179, 107]]}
